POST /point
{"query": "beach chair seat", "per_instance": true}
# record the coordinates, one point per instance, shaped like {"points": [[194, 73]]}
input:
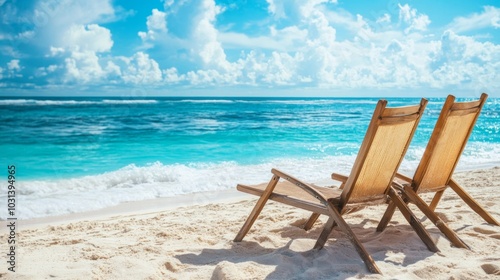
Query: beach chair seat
{"points": [[434, 172], [382, 150]]}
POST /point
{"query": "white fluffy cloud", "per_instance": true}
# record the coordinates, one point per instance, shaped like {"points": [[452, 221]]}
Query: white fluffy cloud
{"points": [[463, 60], [88, 67], [14, 68], [156, 23], [414, 20], [44, 71], [490, 17], [309, 53], [83, 46], [13, 65], [300, 43], [141, 69], [69, 30], [172, 76], [199, 34], [83, 67], [92, 37], [57, 21], [58, 14]]}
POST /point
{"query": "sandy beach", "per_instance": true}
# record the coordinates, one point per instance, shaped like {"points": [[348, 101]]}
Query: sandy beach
{"points": [[126, 127], [191, 238]]}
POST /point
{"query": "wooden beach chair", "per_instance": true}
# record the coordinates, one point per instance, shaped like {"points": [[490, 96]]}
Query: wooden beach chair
{"points": [[384, 146], [434, 172]]}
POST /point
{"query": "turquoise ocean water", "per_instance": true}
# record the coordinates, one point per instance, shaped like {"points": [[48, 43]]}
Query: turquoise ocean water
{"points": [[76, 154]]}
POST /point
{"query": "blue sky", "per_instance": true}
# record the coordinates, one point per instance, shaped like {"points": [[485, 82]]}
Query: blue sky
{"points": [[253, 48]]}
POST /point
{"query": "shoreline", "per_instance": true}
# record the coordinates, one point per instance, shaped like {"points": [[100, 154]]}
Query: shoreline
{"points": [[142, 207]]}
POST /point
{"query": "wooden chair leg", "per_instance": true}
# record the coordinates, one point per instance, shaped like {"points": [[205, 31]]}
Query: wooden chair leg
{"points": [[309, 224], [435, 200], [443, 227], [336, 218], [413, 221], [387, 217], [472, 203], [257, 209], [323, 237]]}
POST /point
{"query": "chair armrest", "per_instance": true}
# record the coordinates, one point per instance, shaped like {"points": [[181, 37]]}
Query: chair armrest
{"points": [[306, 187], [339, 177], [403, 177]]}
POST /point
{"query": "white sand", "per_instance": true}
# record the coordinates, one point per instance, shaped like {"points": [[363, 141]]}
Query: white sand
{"points": [[159, 241]]}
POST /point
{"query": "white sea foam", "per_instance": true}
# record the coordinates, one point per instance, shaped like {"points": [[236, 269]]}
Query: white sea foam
{"points": [[61, 102], [206, 101], [35, 102], [132, 101], [134, 183], [309, 102], [301, 102], [8, 102]]}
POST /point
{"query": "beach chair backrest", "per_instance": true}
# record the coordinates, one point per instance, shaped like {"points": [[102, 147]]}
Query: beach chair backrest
{"points": [[447, 142], [384, 146]]}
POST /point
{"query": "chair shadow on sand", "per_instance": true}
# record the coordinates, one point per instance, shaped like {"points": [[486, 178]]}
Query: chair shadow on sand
{"points": [[337, 259]]}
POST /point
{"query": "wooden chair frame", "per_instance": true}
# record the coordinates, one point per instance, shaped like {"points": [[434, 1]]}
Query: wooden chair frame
{"points": [[424, 181], [335, 203]]}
